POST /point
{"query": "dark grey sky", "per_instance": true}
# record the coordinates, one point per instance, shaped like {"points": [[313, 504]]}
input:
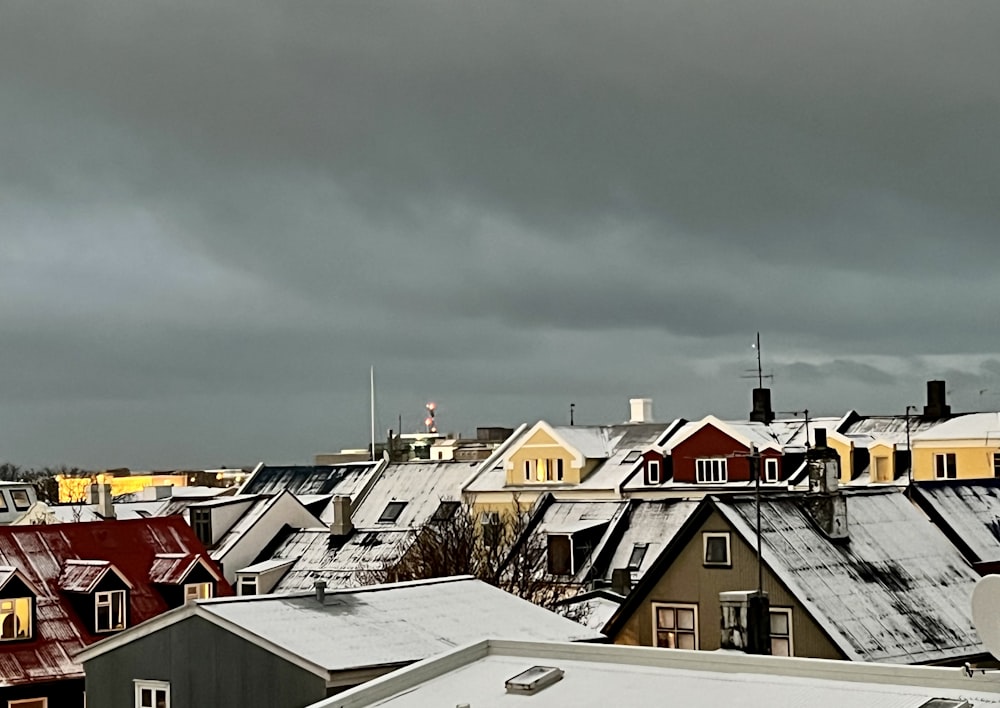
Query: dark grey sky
{"points": [[216, 214]]}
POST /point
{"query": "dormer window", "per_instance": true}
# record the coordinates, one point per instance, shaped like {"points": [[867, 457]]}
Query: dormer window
{"points": [[16, 618], [711, 470], [560, 554], [109, 610], [198, 591], [201, 522], [770, 469], [21, 499], [544, 470], [653, 474]]}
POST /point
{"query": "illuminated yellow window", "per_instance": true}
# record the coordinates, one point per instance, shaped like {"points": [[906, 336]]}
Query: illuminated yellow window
{"points": [[15, 618], [198, 591]]}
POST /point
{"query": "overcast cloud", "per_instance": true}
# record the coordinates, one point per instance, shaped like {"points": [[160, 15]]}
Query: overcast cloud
{"points": [[216, 215]]}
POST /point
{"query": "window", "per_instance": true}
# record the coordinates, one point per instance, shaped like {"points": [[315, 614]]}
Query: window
{"points": [[711, 469], [716, 548], [29, 703], [781, 631], [109, 611], [638, 553], [676, 626], [198, 591], [527, 469], [391, 512], [201, 522], [996, 464], [20, 498], [549, 470], [152, 694], [944, 466], [445, 511], [3, 502], [770, 469], [490, 523], [653, 471], [632, 456], [247, 585], [15, 618], [560, 555]]}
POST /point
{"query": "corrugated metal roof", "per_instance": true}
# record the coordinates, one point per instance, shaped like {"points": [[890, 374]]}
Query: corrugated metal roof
{"points": [[346, 479], [82, 575], [171, 568], [422, 485], [41, 552], [890, 428], [898, 592], [392, 624], [971, 509], [652, 524]]}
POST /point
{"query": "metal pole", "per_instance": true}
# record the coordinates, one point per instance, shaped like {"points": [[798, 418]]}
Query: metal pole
{"points": [[755, 461], [373, 411]]}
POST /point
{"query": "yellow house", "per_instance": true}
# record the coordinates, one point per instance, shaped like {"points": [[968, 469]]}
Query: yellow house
{"points": [[74, 489], [964, 447]]}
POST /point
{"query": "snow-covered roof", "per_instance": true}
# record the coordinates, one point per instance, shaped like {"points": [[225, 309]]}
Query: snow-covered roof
{"points": [[973, 426], [898, 592], [886, 428], [422, 485], [652, 524], [597, 676], [746, 432], [970, 509]]}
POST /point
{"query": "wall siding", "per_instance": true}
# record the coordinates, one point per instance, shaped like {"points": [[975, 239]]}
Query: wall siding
{"points": [[206, 666], [688, 581]]}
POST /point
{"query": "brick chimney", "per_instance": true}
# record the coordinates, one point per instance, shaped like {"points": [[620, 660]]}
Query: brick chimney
{"points": [[824, 502], [762, 412], [936, 407]]}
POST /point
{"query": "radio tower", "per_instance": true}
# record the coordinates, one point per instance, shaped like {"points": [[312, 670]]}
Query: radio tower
{"points": [[429, 420]]}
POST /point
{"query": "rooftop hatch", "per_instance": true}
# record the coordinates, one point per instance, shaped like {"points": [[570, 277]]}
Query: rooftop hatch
{"points": [[534, 680]]}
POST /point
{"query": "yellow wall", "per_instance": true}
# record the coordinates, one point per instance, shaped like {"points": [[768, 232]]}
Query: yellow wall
{"points": [[973, 458], [845, 452], [881, 463], [542, 446], [74, 489]]}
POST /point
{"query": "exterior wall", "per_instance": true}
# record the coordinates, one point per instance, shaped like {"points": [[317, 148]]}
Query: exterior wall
{"points": [[61, 694], [882, 463], [541, 445], [74, 489], [845, 451], [688, 581], [205, 666], [973, 458], [712, 442]]}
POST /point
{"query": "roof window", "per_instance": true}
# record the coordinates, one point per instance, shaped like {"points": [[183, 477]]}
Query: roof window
{"points": [[534, 680], [632, 456], [392, 511]]}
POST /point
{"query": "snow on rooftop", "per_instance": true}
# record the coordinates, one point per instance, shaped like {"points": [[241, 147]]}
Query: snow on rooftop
{"points": [[973, 426]]}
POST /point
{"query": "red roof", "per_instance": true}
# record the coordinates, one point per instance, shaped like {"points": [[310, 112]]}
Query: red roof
{"points": [[43, 553]]}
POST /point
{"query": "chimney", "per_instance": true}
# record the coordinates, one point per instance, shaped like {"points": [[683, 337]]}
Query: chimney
{"points": [[341, 525], [320, 586], [621, 581], [640, 410], [762, 412], [824, 502], [100, 498], [746, 621], [936, 407]]}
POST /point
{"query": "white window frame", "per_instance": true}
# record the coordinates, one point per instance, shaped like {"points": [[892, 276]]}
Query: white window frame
{"points": [[705, 537], [787, 611], [654, 477], [154, 686], [107, 598], [30, 634], [673, 606], [770, 469], [192, 591], [711, 470], [33, 702], [944, 456], [246, 580]]}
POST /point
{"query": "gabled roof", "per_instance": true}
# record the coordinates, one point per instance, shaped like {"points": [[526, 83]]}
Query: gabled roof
{"points": [[423, 485], [41, 553], [347, 479], [898, 592], [173, 568], [746, 433], [967, 511], [972, 426], [375, 626], [84, 575], [863, 430]]}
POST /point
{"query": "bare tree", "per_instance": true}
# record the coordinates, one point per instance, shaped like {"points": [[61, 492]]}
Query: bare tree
{"points": [[496, 547]]}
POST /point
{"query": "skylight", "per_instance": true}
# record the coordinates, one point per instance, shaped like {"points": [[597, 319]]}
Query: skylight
{"points": [[534, 679], [638, 553], [632, 456], [392, 511]]}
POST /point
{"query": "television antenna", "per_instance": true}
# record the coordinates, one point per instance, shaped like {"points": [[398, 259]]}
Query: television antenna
{"points": [[757, 373]]}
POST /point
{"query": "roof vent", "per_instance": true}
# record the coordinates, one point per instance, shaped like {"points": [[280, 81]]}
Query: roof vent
{"points": [[534, 680]]}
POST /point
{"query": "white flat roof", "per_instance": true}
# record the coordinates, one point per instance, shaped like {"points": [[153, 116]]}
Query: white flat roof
{"points": [[598, 676]]}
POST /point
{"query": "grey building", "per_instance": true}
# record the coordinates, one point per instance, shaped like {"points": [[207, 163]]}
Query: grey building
{"points": [[274, 651]]}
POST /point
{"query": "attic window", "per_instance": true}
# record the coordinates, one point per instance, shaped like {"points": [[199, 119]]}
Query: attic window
{"points": [[632, 456], [560, 555], [201, 522], [638, 553], [445, 511], [15, 618], [392, 511], [21, 499], [109, 610], [3, 502], [534, 680], [716, 546]]}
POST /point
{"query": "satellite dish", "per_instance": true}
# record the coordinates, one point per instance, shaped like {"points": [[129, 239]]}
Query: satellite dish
{"points": [[986, 612]]}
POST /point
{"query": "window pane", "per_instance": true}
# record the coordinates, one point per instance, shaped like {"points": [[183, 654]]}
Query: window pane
{"points": [[715, 550], [146, 698], [665, 617], [685, 619], [685, 641], [779, 647], [779, 623]]}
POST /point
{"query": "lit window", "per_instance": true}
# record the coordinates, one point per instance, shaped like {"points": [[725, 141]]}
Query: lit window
{"points": [[653, 471], [716, 547], [20, 498], [391, 512], [676, 626], [15, 618], [547, 470], [770, 469], [109, 611], [152, 694], [560, 555], [781, 631], [247, 585], [29, 703], [711, 470], [198, 591], [944, 466]]}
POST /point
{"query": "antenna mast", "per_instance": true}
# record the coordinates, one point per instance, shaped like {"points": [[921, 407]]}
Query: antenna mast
{"points": [[373, 411]]}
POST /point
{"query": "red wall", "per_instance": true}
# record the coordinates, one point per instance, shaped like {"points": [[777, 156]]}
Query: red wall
{"points": [[712, 442]]}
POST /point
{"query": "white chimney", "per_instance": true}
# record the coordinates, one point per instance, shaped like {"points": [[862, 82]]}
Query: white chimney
{"points": [[641, 410], [100, 495], [341, 525]]}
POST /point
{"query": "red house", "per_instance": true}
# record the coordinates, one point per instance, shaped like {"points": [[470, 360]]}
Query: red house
{"points": [[66, 586], [716, 452]]}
